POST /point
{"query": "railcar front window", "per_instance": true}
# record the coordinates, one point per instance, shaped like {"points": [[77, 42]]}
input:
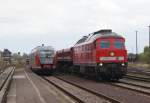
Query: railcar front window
{"points": [[119, 44], [47, 55], [105, 44]]}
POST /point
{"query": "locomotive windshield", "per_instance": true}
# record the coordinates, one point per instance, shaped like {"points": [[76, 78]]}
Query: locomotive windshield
{"points": [[105, 44], [119, 44]]}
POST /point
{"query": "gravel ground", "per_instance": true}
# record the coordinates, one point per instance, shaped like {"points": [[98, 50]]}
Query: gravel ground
{"points": [[138, 70], [123, 95], [79, 93], [139, 66]]}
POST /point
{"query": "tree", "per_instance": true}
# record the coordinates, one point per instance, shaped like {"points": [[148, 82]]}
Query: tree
{"points": [[145, 56]]}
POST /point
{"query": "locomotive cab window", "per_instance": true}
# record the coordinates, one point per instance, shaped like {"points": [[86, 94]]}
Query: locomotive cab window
{"points": [[119, 44], [105, 44]]}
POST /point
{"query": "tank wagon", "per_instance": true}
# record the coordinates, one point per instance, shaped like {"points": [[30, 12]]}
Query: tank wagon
{"points": [[41, 59], [102, 54], [64, 59]]}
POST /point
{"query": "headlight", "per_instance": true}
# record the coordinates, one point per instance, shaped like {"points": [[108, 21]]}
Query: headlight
{"points": [[112, 53], [100, 64], [123, 64]]}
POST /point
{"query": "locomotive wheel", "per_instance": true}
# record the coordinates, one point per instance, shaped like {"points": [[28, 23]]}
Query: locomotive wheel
{"points": [[97, 74], [71, 69], [64, 68], [76, 70], [116, 79], [99, 78], [107, 78]]}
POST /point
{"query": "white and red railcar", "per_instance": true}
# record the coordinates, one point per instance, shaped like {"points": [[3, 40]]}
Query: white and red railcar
{"points": [[41, 59]]}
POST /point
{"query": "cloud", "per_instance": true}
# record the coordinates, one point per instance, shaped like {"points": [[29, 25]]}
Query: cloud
{"points": [[28, 23]]}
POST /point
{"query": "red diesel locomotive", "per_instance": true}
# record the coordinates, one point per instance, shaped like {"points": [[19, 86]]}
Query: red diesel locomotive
{"points": [[102, 54], [41, 59]]}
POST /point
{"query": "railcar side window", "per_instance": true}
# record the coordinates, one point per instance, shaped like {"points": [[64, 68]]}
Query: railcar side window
{"points": [[105, 44], [119, 44]]}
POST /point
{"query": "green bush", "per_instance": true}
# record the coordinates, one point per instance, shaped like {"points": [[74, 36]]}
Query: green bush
{"points": [[145, 56]]}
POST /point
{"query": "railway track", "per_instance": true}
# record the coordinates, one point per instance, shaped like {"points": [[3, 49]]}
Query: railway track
{"points": [[135, 83], [138, 78], [5, 80], [125, 89], [88, 97], [144, 73], [134, 87], [139, 86]]}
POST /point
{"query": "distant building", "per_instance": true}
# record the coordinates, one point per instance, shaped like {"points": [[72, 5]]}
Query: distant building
{"points": [[6, 56], [0, 54], [131, 57]]}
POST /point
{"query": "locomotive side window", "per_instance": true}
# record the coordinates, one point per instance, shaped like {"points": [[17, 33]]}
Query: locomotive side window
{"points": [[119, 44], [105, 44]]}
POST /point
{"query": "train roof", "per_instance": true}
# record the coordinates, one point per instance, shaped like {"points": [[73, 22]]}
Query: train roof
{"points": [[106, 33], [64, 50], [40, 48]]}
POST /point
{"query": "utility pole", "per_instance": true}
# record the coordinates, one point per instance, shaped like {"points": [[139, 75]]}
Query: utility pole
{"points": [[149, 37], [136, 45], [149, 42]]}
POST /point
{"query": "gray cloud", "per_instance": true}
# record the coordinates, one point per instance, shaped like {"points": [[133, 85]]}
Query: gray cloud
{"points": [[25, 24]]}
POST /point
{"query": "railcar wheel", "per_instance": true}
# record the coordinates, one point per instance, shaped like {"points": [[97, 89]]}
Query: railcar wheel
{"points": [[116, 79]]}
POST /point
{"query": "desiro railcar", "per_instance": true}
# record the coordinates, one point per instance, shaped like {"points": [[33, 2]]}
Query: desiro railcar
{"points": [[102, 54], [41, 59]]}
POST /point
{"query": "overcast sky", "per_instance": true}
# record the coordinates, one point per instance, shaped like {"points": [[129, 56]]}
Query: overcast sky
{"points": [[25, 24]]}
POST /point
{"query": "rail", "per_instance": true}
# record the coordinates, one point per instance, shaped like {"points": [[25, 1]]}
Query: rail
{"points": [[112, 100], [5, 80]]}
